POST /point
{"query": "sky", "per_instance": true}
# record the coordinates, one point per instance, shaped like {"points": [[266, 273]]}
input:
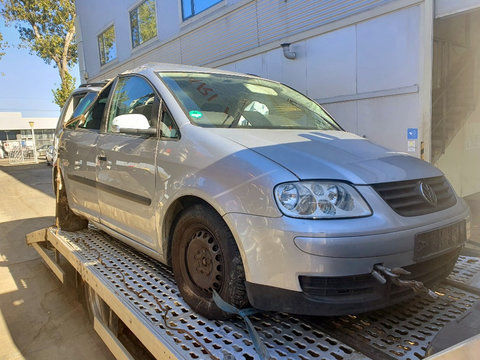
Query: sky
{"points": [[26, 81]]}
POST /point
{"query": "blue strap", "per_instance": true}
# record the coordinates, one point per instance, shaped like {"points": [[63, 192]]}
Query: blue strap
{"points": [[260, 347]]}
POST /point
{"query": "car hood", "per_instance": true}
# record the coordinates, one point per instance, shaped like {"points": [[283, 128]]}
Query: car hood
{"points": [[334, 155]]}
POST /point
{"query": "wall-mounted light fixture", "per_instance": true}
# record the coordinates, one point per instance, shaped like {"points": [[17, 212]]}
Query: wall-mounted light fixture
{"points": [[291, 55]]}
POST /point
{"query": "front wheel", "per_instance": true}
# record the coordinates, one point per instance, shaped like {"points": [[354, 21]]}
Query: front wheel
{"points": [[205, 257]]}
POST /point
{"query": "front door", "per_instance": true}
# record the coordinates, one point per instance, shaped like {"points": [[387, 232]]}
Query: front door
{"points": [[126, 161]]}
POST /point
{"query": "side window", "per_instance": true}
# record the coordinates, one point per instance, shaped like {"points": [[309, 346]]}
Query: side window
{"points": [[94, 116], [78, 105], [168, 128], [132, 98], [83, 104], [67, 113]]}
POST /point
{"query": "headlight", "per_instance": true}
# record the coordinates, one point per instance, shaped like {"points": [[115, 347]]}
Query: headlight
{"points": [[320, 200]]}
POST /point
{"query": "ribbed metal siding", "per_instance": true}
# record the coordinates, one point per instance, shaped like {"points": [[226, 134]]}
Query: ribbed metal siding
{"points": [[280, 18], [168, 53], [261, 22], [225, 36]]}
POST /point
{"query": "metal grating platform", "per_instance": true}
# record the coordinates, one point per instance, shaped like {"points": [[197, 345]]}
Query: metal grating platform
{"points": [[123, 268], [148, 289], [467, 270], [402, 331]]}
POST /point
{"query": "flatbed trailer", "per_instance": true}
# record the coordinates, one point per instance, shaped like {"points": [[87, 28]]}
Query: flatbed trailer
{"points": [[128, 288]]}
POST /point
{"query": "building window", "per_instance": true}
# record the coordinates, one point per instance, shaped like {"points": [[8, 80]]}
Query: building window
{"points": [[143, 22], [106, 45], [193, 7]]}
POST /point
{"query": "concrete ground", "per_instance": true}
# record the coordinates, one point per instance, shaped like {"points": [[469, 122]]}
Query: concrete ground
{"points": [[39, 318]]}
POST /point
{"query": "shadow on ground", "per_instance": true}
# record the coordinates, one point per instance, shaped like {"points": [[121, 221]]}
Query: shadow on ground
{"points": [[43, 319], [23, 173]]}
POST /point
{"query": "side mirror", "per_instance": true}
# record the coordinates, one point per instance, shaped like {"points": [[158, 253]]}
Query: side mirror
{"points": [[136, 124]]}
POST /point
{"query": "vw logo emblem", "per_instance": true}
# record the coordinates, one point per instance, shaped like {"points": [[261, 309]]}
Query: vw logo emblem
{"points": [[428, 194]]}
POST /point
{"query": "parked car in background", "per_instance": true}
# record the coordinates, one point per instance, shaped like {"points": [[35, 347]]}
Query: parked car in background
{"points": [[250, 189], [50, 155], [42, 150]]}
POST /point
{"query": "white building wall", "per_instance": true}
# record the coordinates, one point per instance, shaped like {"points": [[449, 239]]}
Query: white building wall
{"points": [[362, 59], [461, 159], [15, 121], [367, 75]]}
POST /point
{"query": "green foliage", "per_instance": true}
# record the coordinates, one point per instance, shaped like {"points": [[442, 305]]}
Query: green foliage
{"points": [[2, 46], [61, 94], [46, 27]]}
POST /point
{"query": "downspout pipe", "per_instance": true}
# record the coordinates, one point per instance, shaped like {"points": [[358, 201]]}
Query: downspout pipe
{"points": [[291, 55]]}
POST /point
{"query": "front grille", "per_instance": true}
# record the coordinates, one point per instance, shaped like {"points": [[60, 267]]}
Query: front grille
{"points": [[405, 197], [364, 289]]}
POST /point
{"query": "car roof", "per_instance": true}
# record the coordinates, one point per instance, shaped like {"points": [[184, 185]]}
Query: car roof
{"points": [[167, 67]]}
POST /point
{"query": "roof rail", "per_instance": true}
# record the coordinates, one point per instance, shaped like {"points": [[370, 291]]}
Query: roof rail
{"points": [[95, 84]]}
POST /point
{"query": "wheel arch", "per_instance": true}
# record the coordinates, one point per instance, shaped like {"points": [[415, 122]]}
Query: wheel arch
{"points": [[54, 179], [172, 215]]}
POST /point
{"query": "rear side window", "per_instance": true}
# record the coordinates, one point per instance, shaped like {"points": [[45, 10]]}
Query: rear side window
{"points": [[83, 104], [94, 116]]}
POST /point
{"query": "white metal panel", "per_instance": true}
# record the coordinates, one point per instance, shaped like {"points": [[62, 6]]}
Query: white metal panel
{"points": [[251, 65], [344, 113], [331, 64], [449, 7], [385, 120], [290, 72], [388, 51]]}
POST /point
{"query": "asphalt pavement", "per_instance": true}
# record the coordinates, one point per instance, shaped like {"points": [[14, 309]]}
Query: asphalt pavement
{"points": [[40, 319]]}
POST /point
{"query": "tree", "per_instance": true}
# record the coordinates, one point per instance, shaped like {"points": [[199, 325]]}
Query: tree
{"points": [[2, 46], [46, 27]]}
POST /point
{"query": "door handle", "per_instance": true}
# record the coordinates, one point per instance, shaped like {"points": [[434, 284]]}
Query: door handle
{"points": [[102, 158]]}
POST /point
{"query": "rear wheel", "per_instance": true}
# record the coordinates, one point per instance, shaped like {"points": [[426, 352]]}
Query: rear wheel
{"points": [[66, 219], [205, 257]]}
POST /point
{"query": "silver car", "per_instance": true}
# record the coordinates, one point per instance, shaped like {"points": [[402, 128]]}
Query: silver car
{"points": [[247, 187]]}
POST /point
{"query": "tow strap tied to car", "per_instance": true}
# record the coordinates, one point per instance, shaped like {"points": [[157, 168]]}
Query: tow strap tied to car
{"points": [[381, 273], [260, 347]]}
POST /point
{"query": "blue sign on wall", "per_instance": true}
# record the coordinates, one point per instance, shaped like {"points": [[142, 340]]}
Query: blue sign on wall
{"points": [[412, 133]]}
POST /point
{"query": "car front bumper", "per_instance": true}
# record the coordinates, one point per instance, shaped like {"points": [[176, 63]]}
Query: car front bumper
{"points": [[278, 252]]}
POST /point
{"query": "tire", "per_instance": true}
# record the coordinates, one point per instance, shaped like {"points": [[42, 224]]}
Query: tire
{"points": [[205, 257], [66, 219]]}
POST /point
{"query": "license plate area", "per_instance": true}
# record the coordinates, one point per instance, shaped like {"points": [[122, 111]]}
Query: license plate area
{"points": [[439, 241]]}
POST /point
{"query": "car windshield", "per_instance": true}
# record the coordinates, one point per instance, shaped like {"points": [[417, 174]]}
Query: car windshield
{"points": [[218, 100]]}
